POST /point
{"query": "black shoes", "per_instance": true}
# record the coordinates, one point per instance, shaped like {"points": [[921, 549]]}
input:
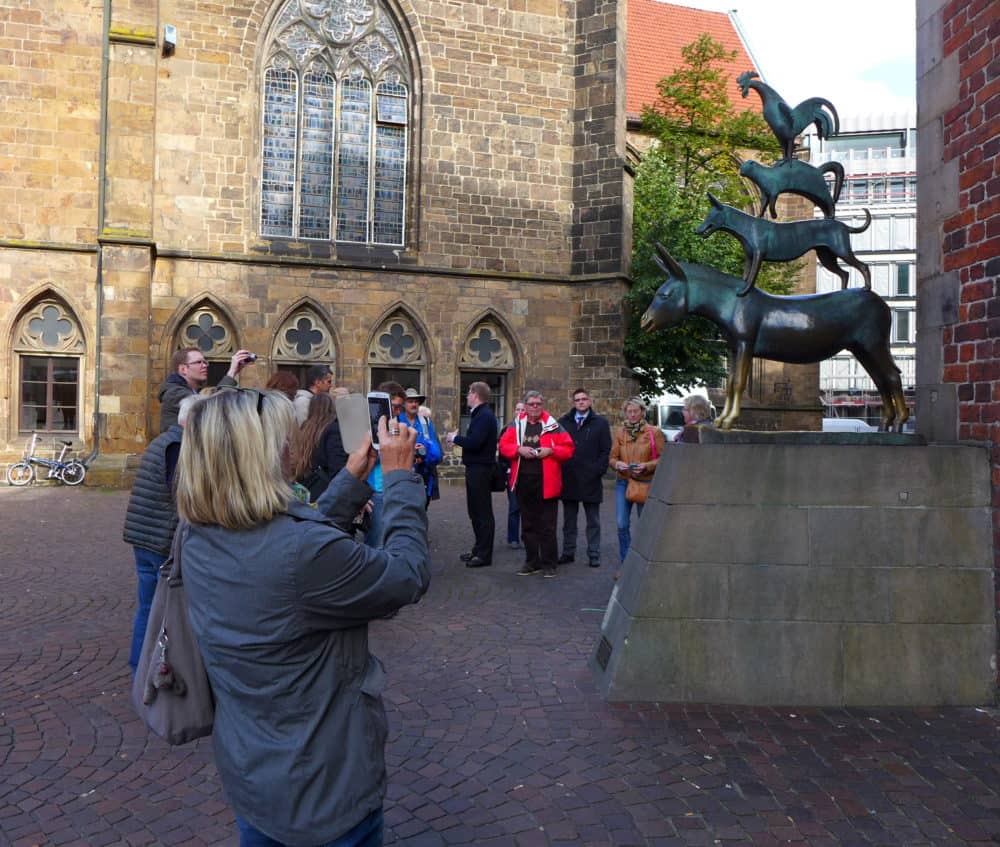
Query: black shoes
{"points": [[594, 563], [476, 562], [465, 557], [529, 570], [565, 559]]}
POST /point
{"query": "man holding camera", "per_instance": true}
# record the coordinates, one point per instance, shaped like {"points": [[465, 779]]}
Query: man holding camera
{"points": [[536, 445], [189, 377]]}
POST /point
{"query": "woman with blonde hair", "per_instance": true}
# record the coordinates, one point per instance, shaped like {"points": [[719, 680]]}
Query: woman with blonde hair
{"points": [[319, 450], [636, 448], [279, 598]]}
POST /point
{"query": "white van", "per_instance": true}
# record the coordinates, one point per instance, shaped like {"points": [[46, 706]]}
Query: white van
{"points": [[667, 411], [847, 425]]}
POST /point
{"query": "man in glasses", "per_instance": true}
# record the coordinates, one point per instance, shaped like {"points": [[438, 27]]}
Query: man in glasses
{"points": [[189, 377], [536, 447], [583, 476]]}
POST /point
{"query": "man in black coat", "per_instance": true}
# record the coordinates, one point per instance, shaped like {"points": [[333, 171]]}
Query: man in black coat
{"points": [[583, 476], [479, 455]]}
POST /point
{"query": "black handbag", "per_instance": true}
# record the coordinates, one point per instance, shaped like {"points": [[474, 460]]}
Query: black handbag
{"points": [[498, 482], [171, 691], [317, 481]]}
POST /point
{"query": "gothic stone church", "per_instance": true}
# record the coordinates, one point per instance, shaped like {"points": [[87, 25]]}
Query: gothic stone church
{"points": [[429, 192]]}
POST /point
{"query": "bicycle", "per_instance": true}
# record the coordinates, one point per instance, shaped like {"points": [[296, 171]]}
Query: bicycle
{"points": [[69, 472]]}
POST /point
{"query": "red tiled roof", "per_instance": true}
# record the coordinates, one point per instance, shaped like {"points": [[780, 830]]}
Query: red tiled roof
{"points": [[657, 32]]}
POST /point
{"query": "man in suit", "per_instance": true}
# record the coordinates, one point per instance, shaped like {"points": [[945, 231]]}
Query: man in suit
{"points": [[479, 455], [583, 476]]}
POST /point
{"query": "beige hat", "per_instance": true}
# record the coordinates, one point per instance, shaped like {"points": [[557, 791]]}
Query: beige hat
{"points": [[411, 394]]}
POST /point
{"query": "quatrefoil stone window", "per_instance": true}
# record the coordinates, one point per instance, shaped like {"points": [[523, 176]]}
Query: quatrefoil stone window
{"points": [[48, 325], [396, 342], [487, 347], [208, 331], [303, 337]]}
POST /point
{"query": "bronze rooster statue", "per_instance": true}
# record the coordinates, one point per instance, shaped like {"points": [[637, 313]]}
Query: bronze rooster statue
{"points": [[785, 122]]}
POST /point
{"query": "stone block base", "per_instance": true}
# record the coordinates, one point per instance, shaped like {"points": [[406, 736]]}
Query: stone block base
{"points": [[784, 572]]}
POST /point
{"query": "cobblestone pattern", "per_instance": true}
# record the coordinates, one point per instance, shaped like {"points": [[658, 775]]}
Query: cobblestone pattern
{"points": [[497, 734]]}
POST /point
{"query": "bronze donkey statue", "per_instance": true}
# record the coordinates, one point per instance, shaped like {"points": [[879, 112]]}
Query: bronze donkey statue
{"points": [[781, 242], [801, 329]]}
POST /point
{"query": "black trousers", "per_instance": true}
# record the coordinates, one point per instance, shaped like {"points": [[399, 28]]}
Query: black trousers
{"points": [[538, 523], [571, 509], [479, 502]]}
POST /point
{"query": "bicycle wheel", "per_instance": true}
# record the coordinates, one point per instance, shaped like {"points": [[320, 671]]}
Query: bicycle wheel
{"points": [[73, 472], [20, 473]]}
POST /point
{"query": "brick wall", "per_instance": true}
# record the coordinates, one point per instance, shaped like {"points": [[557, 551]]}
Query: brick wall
{"points": [[958, 352]]}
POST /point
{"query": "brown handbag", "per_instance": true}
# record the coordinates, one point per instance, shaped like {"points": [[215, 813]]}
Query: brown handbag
{"points": [[638, 489]]}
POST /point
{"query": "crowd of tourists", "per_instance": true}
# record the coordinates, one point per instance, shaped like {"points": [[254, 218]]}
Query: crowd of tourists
{"points": [[291, 545]]}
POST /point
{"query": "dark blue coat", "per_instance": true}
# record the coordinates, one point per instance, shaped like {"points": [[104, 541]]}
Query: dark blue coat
{"points": [[479, 444], [583, 474]]}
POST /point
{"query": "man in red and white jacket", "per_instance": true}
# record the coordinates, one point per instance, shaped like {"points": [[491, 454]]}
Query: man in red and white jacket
{"points": [[536, 445]]}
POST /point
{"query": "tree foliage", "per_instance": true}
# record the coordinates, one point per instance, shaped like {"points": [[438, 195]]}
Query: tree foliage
{"points": [[699, 143]]}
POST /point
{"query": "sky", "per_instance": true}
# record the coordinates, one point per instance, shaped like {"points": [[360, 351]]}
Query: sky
{"points": [[859, 54]]}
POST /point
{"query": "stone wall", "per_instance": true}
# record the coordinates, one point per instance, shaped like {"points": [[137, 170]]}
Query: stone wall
{"points": [[515, 202], [958, 257]]}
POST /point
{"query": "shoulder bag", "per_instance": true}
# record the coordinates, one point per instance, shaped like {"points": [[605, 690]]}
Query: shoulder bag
{"points": [[638, 489], [171, 691]]}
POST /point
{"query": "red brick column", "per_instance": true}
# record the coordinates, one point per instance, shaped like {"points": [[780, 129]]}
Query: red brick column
{"points": [[971, 244]]}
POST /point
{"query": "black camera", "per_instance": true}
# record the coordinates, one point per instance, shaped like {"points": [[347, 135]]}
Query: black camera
{"points": [[251, 357]]}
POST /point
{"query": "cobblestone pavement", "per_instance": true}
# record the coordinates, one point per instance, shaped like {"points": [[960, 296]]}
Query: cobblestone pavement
{"points": [[498, 736]]}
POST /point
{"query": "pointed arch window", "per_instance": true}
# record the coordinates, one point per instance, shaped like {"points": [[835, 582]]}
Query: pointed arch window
{"points": [[48, 346], [336, 124]]}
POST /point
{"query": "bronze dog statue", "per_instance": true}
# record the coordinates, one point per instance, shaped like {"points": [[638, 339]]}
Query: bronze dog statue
{"points": [[801, 329], [781, 242], [790, 176], [786, 123]]}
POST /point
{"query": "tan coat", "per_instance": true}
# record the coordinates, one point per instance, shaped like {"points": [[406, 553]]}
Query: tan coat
{"points": [[624, 449]]}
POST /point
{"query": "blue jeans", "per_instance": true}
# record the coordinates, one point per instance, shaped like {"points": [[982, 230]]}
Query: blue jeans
{"points": [[623, 516], [373, 538], [147, 571], [513, 518], [368, 833]]}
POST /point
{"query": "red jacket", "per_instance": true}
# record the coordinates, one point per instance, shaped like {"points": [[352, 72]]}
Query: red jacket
{"points": [[553, 436]]}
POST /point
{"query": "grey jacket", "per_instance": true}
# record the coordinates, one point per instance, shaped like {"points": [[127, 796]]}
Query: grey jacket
{"points": [[281, 615], [151, 516]]}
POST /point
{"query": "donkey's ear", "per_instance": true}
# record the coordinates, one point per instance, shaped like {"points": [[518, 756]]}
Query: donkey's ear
{"points": [[666, 263], [715, 201]]}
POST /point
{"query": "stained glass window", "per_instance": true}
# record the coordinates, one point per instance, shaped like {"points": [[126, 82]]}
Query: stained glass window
{"points": [[352, 161], [317, 155], [390, 163], [278, 176], [330, 152]]}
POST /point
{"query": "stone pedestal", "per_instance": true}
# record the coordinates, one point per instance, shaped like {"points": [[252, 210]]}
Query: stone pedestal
{"points": [[776, 569]]}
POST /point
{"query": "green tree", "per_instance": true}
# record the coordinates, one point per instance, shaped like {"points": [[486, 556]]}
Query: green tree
{"points": [[699, 139]]}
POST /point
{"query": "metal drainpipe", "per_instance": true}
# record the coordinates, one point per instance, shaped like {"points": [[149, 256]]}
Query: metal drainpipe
{"points": [[101, 174]]}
